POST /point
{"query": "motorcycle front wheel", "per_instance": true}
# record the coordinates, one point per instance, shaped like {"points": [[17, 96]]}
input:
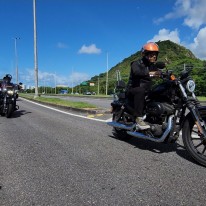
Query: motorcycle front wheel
{"points": [[9, 110], [193, 142]]}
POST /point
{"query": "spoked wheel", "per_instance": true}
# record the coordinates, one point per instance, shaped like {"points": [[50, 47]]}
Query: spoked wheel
{"points": [[193, 141], [120, 133]]}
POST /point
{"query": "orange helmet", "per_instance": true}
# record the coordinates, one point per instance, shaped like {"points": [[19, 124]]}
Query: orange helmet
{"points": [[150, 47]]}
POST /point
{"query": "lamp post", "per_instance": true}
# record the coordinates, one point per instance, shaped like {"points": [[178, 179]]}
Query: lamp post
{"points": [[55, 82], [16, 58], [72, 81], [107, 76], [35, 50]]}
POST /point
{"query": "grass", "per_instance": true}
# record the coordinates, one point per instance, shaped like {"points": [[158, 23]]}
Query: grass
{"points": [[61, 102], [201, 98]]}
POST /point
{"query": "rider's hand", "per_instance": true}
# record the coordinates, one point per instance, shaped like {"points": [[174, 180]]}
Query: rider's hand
{"points": [[155, 74]]}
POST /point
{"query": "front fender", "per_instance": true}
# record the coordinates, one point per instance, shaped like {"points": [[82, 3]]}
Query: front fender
{"points": [[202, 111]]}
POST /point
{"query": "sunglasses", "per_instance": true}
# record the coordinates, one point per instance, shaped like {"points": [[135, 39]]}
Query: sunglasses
{"points": [[151, 54]]}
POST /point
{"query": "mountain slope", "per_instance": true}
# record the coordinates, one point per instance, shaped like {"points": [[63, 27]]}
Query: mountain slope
{"points": [[178, 56]]}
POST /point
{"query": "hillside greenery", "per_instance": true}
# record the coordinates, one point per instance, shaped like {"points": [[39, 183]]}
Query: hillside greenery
{"points": [[179, 58]]}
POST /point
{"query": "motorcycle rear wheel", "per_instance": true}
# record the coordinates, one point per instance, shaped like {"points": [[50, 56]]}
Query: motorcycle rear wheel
{"points": [[9, 110], [120, 134], [195, 145]]}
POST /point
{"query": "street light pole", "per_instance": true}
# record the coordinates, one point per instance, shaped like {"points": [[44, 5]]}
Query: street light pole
{"points": [[107, 76], [16, 59], [55, 82], [72, 82], [98, 86], [35, 51]]}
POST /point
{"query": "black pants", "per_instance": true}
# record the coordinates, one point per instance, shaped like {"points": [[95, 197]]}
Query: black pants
{"points": [[137, 94]]}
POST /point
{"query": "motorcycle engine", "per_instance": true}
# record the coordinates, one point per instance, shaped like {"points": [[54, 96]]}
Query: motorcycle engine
{"points": [[159, 109]]}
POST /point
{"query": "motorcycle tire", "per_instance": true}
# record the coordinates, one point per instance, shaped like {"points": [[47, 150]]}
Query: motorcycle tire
{"points": [[194, 144], [9, 110], [120, 134]]}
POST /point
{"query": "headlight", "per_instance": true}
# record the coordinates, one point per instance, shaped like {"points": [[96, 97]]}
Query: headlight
{"points": [[190, 86], [10, 92]]}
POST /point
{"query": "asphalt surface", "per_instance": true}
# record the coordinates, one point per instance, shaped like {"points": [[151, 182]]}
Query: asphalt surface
{"points": [[51, 157]]}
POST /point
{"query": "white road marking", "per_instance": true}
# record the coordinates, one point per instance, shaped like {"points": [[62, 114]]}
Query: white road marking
{"points": [[68, 113]]}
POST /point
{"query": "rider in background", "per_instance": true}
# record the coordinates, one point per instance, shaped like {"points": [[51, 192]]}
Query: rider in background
{"points": [[7, 79], [140, 81], [6, 82]]}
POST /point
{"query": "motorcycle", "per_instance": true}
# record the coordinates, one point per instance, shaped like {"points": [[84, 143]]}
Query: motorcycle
{"points": [[7, 99], [171, 107]]}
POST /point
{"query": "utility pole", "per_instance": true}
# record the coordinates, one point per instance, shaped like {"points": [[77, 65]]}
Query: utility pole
{"points": [[35, 51], [16, 59], [72, 81], [55, 82], [98, 87], [107, 76]]}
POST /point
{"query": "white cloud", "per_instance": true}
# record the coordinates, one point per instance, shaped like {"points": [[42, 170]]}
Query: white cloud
{"points": [[194, 16], [198, 46], [50, 79], [165, 34], [193, 12], [91, 49], [61, 45], [77, 77]]}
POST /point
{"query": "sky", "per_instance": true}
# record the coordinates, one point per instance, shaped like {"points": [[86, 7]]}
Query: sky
{"points": [[79, 39]]}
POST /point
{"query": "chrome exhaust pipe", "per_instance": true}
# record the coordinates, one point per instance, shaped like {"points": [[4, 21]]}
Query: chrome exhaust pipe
{"points": [[121, 126], [154, 139]]}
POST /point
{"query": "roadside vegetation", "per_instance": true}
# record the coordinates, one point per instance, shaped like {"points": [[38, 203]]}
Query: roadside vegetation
{"points": [[201, 98]]}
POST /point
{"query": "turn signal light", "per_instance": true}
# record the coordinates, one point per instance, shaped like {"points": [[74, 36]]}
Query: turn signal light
{"points": [[172, 77]]}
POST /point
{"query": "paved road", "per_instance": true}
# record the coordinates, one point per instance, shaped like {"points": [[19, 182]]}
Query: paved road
{"points": [[51, 158]]}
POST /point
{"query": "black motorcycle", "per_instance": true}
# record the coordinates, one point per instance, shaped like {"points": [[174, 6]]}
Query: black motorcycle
{"points": [[7, 99], [171, 108]]}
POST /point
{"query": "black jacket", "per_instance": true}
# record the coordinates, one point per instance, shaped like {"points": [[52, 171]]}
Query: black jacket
{"points": [[139, 73]]}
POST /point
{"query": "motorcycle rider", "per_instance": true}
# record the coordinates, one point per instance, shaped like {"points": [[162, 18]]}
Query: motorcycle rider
{"points": [[140, 80], [7, 82], [7, 79]]}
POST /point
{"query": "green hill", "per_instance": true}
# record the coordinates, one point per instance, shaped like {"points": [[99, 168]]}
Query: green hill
{"points": [[178, 56]]}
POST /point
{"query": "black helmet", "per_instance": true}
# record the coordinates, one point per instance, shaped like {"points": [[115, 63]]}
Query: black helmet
{"points": [[7, 78]]}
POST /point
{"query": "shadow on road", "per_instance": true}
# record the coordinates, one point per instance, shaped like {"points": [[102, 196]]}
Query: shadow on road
{"points": [[158, 147], [19, 113]]}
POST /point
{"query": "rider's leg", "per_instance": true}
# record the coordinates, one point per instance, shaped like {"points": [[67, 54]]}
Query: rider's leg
{"points": [[139, 100]]}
